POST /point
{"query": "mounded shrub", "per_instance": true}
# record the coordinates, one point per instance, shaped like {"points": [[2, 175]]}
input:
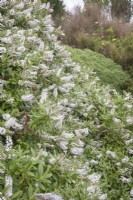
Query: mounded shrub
{"points": [[105, 68], [62, 134]]}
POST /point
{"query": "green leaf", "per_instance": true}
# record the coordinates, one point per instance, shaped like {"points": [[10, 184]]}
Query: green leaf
{"points": [[17, 194], [40, 170], [30, 191], [31, 174]]}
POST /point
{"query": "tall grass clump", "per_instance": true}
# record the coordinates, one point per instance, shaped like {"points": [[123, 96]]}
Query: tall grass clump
{"points": [[62, 134]]}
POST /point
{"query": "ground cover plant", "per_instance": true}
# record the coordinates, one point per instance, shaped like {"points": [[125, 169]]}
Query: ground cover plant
{"points": [[105, 68], [62, 134]]}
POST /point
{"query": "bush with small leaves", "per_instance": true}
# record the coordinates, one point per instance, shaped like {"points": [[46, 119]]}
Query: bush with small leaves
{"points": [[62, 134]]}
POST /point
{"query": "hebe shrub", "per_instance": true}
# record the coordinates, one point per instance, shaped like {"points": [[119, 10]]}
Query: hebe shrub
{"points": [[62, 134]]}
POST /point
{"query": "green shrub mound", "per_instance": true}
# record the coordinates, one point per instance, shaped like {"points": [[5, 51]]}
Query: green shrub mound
{"points": [[105, 68], [62, 134]]}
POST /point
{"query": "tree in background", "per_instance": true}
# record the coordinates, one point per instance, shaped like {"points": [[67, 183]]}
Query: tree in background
{"points": [[119, 9], [100, 2]]}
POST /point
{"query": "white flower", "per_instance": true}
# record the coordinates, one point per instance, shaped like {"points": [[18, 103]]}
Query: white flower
{"points": [[28, 97], [92, 189], [2, 171], [73, 105], [76, 69], [129, 120], [63, 145], [78, 132], [9, 143], [6, 116], [59, 123], [10, 122], [2, 50], [129, 106], [69, 86], [41, 46], [3, 2], [93, 162], [64, 102], [130, 151], [44, 153], [2, 82], [8, 183], [83, 131], [44, 95], [103, 197], [50, 28], [12, 11], [129, 141], [116, 120], [125, 180], [3, 198], [125, 160], [27, 12], [20, 6], [17, 126], [90, 107], [11, 100], [8, 32], [13, 1], [55, 92], [2, 131], [94, 178], [21, 32], [67, 135], [21, 49], [58, 72], [48, 196], [131, 192], [43, 67], [66, 78], [80, 143], [17, 36], [82, 171], [99, 155], [52, 160], [33, 23], [49, 55], [6, 40], [112, 112], [47, 6], [77, 151], [111, 153], [62, 89], [51, 87]]}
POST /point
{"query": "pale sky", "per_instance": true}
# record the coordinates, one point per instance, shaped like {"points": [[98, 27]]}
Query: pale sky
{"points": [[70, 4]]}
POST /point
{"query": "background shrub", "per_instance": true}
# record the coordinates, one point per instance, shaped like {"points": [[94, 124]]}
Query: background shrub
{"points": [[91, 29], [108, 71]]}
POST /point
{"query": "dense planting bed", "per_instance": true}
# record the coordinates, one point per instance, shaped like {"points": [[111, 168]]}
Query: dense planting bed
{"points": [[62, 134]]}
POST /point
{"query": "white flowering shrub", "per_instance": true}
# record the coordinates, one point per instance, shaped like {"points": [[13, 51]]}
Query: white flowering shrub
{"points": [[62, 134]]}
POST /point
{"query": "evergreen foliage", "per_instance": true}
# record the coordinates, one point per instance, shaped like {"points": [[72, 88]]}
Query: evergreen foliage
{"points": [[62, 134], [106, 69]]}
